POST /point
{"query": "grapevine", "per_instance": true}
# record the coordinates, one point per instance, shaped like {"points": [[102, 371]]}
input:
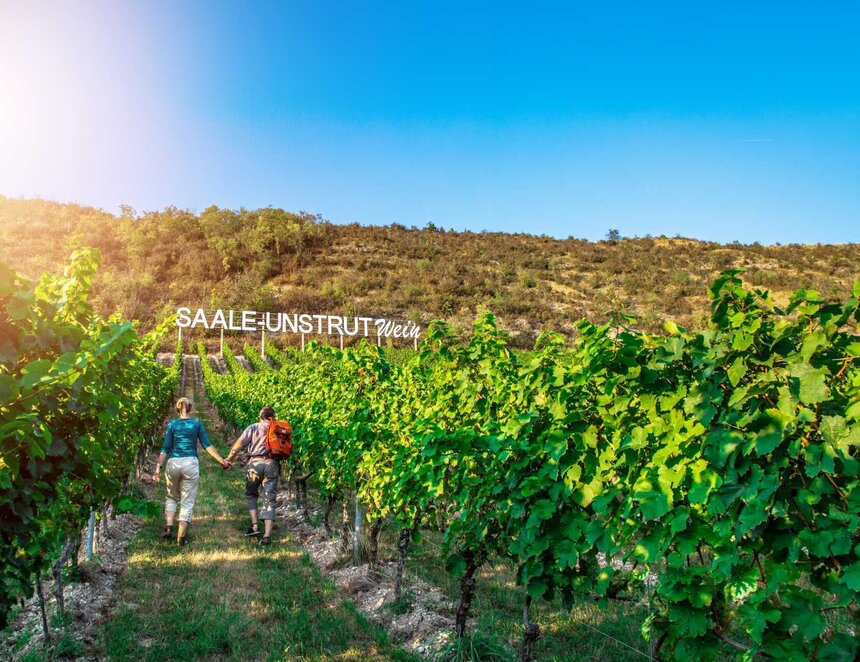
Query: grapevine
{"points": [[724, 463], [82, 397]]}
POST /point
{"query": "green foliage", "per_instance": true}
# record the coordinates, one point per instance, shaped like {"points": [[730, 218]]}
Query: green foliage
{"points": [[476, 647], [276, 356], [257, 363], [81, 396], [232, 364], [725, 461]]}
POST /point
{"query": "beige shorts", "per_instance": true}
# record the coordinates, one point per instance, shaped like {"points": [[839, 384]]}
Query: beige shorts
{"points": [[182, 477]]}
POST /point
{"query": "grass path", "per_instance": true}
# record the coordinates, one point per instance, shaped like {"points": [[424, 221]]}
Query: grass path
{"points": [[224, 597]]}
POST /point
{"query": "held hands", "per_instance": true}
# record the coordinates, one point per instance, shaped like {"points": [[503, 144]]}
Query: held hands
{"points": [[226, 463]]}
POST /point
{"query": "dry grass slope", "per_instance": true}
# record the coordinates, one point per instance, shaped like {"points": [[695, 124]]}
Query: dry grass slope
{"points": [[269, 259]]}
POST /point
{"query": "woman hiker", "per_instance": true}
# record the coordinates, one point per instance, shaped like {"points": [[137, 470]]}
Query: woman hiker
{"points": [[183, 472]]}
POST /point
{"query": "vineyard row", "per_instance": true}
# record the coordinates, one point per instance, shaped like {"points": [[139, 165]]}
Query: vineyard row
{"points": [[81, 399], [726, 462]]}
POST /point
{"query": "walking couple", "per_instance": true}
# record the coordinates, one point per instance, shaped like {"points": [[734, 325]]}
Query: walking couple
{"points": [[262, 471]]}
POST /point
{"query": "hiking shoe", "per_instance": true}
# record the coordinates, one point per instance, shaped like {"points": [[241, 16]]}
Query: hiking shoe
{"points": [[168, 533], [265, 541], [253, 530], [184, 540]]}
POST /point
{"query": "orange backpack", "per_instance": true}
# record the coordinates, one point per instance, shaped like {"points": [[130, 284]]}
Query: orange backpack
{"points": [[279, 440]]}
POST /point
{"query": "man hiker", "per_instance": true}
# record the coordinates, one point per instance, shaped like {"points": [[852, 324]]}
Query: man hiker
{"points": [[262, 471]]}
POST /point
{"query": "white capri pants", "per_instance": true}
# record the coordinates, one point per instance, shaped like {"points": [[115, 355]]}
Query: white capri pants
{"points": [[182, 478]]}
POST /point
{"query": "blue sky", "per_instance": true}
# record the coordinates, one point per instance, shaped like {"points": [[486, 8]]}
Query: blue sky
{"points": [[726, 121]]}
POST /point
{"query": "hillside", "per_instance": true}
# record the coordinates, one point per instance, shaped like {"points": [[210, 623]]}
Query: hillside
{"points": [[269, 259]]}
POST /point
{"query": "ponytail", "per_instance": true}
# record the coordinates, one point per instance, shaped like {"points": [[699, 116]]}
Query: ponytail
{"points": [[183, 406]]}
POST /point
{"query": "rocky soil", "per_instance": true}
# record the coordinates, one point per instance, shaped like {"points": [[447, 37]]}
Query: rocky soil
{"points": [[427, 619], [88, 602]]}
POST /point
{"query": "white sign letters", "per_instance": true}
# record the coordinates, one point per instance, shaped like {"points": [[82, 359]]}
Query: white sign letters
{"points": [[251, 320]]}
